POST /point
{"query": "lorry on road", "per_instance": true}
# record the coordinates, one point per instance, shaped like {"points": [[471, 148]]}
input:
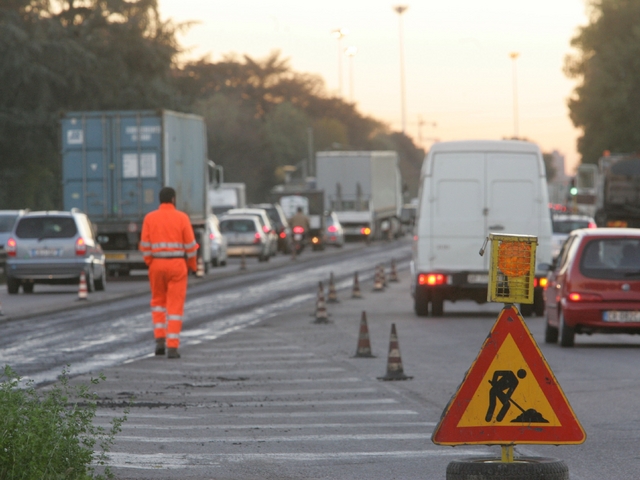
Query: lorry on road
{"points": [[114, 164], [618, 191], [225, 196], [364, 189]]}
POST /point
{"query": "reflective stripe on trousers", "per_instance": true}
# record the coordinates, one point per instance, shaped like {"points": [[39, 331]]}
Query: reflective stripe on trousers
{"points": [[168, 281]]}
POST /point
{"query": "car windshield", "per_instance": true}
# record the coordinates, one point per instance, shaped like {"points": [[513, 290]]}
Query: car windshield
{"points": [[568, 226], [615, 259], [46, 227], [6, 222], [237, 226]]}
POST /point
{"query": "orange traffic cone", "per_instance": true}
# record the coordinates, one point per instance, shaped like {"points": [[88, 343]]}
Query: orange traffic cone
{"points": [[378, 286], [394, 362], [1, 312], [321, 308], [82, 286], [393, 275], [200, 270], [332, 296], [364, 345], [243, 263], [355, 293], [383, 276]]}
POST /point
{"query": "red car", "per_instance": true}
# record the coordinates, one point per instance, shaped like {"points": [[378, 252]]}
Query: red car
{"points": [[595, 285]]}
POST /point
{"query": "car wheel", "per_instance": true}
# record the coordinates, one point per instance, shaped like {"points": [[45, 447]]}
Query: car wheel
{"points": [[101, 283], [91, 282], [223, 263], [567, 334], [437, 305], [27, 287], [13, 285], [493, 468], [550, 333], [526, 309], [421, 303], [538, 302]]}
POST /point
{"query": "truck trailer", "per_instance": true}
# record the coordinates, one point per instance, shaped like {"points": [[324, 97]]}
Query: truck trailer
{"points": [[364, 189], [618, 192], [114, 164]]}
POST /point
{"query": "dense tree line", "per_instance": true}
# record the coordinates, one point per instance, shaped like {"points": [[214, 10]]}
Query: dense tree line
{"points": [[71, 55], [606, 103]]}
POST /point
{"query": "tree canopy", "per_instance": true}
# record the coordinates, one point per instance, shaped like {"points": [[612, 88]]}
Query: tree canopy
{"points": [[70, 55], [606, 103]]}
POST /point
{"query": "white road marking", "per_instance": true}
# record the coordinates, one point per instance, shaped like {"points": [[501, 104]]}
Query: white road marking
{"points": [[279, 438], [278, 393], [166, 373], [342, 413], [302, 403], [271, 426]]}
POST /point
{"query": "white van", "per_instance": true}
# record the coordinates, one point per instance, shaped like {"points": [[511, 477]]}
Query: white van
{"points": [[469, 189]]}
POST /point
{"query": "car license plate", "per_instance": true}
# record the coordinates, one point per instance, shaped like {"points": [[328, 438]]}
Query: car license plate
{"points": [[477, 278], [115, 256], [46, 252], [622, 316]]}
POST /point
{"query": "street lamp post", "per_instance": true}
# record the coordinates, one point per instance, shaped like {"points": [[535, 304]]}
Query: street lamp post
{"points": [[351, 52], [514, 56], [400, 9], [338, 33]]}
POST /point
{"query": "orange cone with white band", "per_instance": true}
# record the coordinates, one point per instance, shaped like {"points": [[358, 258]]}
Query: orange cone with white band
{"points": [[394, 362], [82, 287], [364, 345]]}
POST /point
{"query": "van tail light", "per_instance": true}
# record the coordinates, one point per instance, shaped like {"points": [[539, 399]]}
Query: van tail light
{"points": [[542, 282], [584, 297], [365, 231], [298, 229], [592, 225], [332, 228], [11, 247], [212, 236], [257, 237], [432, 279], [81, 246], [283, 234]]}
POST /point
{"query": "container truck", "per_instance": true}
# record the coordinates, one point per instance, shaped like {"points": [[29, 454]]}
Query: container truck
{"points": [[114, 164], [364, 189], [226, 196], [618, 192]]}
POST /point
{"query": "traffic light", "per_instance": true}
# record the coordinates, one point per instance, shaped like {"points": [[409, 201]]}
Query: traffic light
{"points": [[573, 191]]}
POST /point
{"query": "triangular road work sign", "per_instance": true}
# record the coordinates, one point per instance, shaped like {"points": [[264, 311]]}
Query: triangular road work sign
{"points": [[509, 395]]}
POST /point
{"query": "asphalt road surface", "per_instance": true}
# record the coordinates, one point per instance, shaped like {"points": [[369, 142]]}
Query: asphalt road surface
{"points": [[262, 392]]}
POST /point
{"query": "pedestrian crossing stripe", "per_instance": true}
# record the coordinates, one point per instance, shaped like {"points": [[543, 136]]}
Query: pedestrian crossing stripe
{"points": [[509, 395]]}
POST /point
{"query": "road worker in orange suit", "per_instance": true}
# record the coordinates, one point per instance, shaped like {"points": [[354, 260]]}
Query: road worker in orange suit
{"points": [[169, 248]]}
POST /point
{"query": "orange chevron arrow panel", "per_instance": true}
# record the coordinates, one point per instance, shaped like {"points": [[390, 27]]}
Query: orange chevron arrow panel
{"points": [[509, 395]]}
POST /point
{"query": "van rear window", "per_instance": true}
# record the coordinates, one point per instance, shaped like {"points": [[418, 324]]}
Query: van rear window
{"points": [[46, 227]]}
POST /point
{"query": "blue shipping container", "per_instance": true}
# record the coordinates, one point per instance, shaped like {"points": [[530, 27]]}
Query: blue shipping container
{"points": [[114, 163]]}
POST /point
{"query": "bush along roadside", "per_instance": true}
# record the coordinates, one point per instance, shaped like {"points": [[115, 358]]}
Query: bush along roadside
{"points": [[50, 435]]}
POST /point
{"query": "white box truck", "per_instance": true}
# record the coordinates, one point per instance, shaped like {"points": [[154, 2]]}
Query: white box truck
{"points": [[469, 189], [226, 196], [364, 189]]}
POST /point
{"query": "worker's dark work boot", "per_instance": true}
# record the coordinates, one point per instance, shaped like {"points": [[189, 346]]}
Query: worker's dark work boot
{"points": [[173, 353], [159, 346]]}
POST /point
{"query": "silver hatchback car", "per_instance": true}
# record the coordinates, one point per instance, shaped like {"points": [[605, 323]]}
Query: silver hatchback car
{"points": [[53, 247]]}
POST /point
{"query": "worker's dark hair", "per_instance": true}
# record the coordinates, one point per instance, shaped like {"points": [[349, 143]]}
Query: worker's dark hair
{"points": [[167, 194]]}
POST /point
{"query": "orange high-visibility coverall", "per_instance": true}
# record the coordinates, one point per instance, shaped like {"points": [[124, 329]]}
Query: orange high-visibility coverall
{"points": [[167, 241]]}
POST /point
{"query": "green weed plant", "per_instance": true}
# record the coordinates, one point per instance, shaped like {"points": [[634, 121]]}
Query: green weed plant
{"points": [[50, 434]]}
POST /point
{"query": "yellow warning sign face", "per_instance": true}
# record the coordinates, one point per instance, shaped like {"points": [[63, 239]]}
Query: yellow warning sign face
{"points": [[509, 395], [508, 378]]}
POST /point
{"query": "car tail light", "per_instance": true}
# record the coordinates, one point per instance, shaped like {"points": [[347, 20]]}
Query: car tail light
{"points": [[592, 225], [11, 247], [584, 297], [365, 231], [298, 229], [257, 237], [415, 238], [212, 236], [332, 228], [265, 229], [81, 246], [432, 279], [283, 234]]}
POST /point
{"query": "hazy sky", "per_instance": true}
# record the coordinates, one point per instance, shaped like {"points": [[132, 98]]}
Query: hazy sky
{"points": [[458, 71]]}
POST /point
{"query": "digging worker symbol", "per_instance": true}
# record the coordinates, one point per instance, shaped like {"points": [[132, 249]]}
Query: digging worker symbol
{"points": [[503, 385], [169, 248]]}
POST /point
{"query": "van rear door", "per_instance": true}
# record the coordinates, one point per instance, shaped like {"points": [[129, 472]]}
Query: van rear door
{"points": [[513, 196], [457, 203]]}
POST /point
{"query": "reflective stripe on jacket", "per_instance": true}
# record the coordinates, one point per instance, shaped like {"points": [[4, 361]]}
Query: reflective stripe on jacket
{"points": [[167, 233]]}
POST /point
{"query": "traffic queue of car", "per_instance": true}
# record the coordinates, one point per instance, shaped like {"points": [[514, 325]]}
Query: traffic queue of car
{"points": [[56, 247]]}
